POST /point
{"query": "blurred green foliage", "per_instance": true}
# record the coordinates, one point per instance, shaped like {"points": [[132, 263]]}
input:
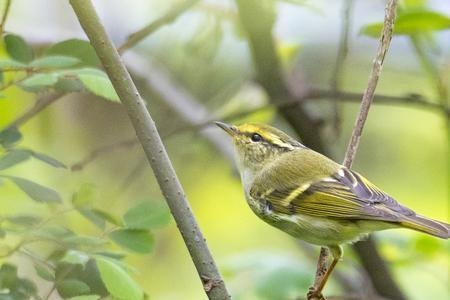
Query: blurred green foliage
{"points": [[90, 235]]}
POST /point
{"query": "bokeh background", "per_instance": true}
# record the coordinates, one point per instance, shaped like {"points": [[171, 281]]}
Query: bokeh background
{"points": [[404, 148]]}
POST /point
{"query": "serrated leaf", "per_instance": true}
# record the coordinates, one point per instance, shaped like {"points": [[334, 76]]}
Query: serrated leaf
{"points": [[54, 232], [412, 22], [85, 297], [76, 48], [55, 61], [39, 80], [147, 215], [18, 49], [48, 160], [140, 241], [75, 258], [12, 158], [117, 281], [36, 191], [44, 272], [9, 137], [72, 287], [11, 64]]}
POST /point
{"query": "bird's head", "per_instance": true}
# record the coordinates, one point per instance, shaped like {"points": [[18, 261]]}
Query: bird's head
{"points": [[258, 144]]}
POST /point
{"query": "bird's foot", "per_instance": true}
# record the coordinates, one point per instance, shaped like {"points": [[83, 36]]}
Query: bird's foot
{"points": [[313, 294]]}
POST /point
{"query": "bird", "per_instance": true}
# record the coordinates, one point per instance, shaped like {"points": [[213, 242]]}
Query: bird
{"points": [[312, 198]]}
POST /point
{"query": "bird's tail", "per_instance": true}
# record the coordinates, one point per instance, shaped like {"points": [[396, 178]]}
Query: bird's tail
{"points": [[428, 226]]}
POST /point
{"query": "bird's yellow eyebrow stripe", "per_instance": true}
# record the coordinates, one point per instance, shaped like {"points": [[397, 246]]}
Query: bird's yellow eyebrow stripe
{"points": [[268, 136]]}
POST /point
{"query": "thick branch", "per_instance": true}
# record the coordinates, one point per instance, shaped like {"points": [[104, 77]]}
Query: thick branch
{"points": [[154, 149], [166, 19]]}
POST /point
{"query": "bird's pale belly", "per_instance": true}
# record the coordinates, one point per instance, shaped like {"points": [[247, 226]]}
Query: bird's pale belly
{"points": [[314, 230]]}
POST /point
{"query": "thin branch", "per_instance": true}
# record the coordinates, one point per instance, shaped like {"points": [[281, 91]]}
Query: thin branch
{"points": [[166, 19], [374, 264], [96, 153], [154, 149], [39, 105], [194, 112], [6, 10], [340, 59], [367, 99]]}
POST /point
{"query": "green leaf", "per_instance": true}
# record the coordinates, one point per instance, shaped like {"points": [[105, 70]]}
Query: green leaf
{"points": [[24, 220], [136, 240], [44, 272], [69, 85], [11, 64], [75, 258], [99, 85], [86, 195], [412, 22], [17, 48], [85, 297], [76, 48], [48, 160], [55, 61], [72, 287], [9, 137], [36, 191], [107, 216], [77, 241], [12, 158], [117, 281], [39, 80], [147, 215], [94, 218]]}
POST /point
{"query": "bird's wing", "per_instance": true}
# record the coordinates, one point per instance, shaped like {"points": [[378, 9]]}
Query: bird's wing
{"points": [[344, 195]]}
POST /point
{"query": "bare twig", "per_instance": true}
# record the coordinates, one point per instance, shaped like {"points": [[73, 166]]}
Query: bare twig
{"points": [[127, 143], [166, 19], [367, 99], [197, 112], [374, 264], [154, 149], [41, 103], [340, 59], [6, 9]]}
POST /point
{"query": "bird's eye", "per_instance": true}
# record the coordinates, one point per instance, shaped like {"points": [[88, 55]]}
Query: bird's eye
{"points": [[256, 137]]}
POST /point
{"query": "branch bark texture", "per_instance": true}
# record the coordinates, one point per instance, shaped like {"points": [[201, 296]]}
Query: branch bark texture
{"points": [[148, 136]]}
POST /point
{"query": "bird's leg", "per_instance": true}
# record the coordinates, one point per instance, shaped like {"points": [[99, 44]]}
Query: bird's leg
{"points": [[323, 272]]}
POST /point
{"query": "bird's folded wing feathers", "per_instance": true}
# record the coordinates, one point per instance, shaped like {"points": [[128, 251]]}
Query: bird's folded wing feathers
{"points": [[344, 195]]}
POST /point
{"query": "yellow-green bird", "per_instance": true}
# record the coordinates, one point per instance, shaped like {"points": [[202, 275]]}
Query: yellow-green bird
{"points": [[313, 198]]}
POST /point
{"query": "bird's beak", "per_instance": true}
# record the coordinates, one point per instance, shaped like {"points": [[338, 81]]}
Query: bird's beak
{"points": [[231, 130]]}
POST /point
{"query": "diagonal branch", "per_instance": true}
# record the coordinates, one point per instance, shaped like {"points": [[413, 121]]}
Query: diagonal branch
{"points": [[259, 32], [166, 19], [373, 262], [367, 99], [154, 149], [40, 104]]}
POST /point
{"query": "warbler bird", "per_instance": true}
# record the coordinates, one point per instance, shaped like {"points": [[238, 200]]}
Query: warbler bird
{"points": [[313, 198]]}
